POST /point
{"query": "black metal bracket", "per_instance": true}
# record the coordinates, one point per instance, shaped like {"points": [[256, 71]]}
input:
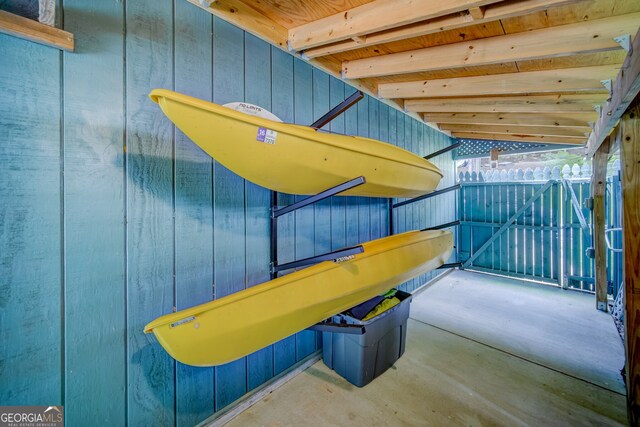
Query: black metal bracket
{"points": [[339, 255], [338, 328], [338, 109], [451, 265], [276, 212], [441, 226], [444, 150], [427, 196]]}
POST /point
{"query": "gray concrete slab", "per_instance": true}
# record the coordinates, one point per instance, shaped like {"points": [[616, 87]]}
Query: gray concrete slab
{"points": [[557, 328], [481, 351], [442, 379]]}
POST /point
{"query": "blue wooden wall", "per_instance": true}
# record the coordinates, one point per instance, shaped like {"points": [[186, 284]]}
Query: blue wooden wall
{"points": [[110, 217]]}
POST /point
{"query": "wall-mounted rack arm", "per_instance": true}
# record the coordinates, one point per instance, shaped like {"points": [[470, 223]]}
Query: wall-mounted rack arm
{"points": [[329, 256], [441, 226], [338, 109], [427, 196], [444, 150], [451, 265], [277, 212], [338, 328]]}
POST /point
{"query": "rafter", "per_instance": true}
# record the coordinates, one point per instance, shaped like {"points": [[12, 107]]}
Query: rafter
{"points": [[241, 15], [583, 79], [493, 12], [564, 40], [520, 138], [580, 103], [378, 15], [555, 131], [577, 120]]}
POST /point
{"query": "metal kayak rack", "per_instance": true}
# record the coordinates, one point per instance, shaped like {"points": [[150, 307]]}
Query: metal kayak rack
{"points": [[345, 253]]}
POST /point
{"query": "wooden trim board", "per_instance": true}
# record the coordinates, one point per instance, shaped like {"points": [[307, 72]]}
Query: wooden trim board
{"points": [[35, 31]]}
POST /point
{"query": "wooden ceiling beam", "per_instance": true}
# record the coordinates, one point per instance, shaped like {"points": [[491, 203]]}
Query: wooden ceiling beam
{"points": [[579, 103], [577, 120], [545, 104], [624, 91], [378, 15], [241, 15], [518, 130], [564, 40], [583, 79], [492, 12], [520, 138]]}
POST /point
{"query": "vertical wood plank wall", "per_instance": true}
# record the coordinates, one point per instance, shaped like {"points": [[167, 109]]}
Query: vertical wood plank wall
{"points": [[111, 217]]}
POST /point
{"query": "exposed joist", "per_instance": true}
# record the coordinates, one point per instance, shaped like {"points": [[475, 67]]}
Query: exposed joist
{"points": [[563, 40], [241, 15], [34, 31], [493, 12], [580, 103], [583, 79], [624, 91], [378, 15], [520, 138], [578, 120], [518, 130]]}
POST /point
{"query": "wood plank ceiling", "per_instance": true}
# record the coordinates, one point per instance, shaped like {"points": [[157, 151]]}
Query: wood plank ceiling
{"points": [[514, 70]]}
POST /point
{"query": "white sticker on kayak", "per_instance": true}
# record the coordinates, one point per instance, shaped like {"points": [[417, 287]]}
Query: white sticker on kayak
{"points": [[267, 136], [183, 321], [344, 259]]}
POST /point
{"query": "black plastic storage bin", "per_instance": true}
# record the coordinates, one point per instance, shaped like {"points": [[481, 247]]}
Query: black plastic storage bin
{"points": [[361, 358]]}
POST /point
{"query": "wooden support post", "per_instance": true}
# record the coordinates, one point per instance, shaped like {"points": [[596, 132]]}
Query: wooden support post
{"points": [[630, 153], [598, 186]]}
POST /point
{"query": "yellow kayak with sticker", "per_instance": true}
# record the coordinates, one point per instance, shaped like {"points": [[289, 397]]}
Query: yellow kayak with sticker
{"points": [[234, 326], [297, 159]]}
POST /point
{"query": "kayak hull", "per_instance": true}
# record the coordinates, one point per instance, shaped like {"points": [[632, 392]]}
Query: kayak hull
{"points": [[297, 159], [231, 327]]}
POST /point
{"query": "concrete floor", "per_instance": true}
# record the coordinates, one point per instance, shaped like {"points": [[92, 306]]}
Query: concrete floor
{"points": [[481, 351]]}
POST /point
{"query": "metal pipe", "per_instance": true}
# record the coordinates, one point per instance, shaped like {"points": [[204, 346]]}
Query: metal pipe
{"points": [[338, 109], [329, 256], [429, 195], [441, 226], [320, 196], [444, 150]]}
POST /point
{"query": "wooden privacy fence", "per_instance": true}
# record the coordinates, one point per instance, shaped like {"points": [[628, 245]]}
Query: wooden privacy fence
{"points": [[534, 224]]}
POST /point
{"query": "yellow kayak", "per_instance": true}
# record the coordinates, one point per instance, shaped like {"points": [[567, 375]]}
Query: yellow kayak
{"points": [[226, 329], [297, 159]]}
